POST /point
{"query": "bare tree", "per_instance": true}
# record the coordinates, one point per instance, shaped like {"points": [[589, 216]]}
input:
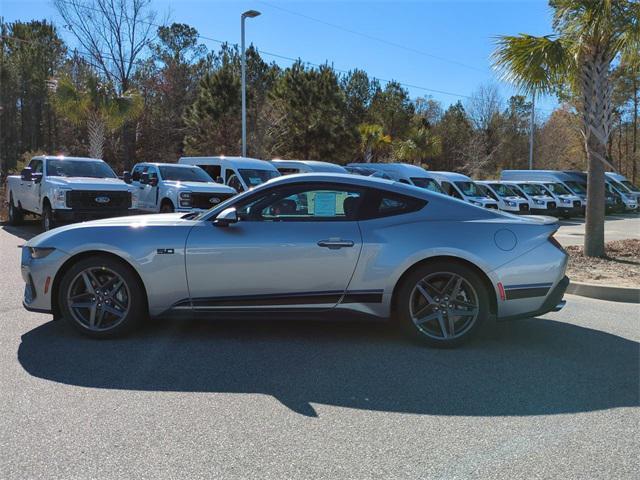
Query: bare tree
{"points": [[484, 103]]}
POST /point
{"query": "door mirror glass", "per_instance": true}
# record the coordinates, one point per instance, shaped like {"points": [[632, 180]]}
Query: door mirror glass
{"points": [[126, 176], [226, 217], [25, 174]]}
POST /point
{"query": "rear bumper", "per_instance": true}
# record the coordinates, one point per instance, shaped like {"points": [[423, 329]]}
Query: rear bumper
{"points": [[553, 302]]}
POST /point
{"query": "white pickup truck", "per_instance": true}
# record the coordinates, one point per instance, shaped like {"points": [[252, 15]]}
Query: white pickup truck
{"points": [[171, 187], [67, 189]]}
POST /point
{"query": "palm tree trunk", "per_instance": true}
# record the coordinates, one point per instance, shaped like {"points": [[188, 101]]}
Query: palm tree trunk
{"points": [[96, 130], [597, 114]]}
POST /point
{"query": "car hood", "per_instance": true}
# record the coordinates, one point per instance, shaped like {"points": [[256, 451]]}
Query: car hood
{"points": [[134, 221], [202, 187], [88, 183]]}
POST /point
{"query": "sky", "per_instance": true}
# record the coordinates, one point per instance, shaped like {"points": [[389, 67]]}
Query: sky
{"points": [[435, 48]]}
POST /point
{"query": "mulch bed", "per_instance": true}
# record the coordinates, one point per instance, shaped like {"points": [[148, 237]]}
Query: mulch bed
{"points": [[620, 267]]}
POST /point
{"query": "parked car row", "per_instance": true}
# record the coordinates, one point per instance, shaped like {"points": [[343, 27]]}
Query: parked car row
{"points": [[68, 189]]}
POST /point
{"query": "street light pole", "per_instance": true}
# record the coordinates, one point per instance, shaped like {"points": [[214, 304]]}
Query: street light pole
{"points": [[247, 14], [531, 128]]}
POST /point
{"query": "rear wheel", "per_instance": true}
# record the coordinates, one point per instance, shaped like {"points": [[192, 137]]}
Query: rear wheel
{"points": [[443, 304], [101, 297], [15, 214]]}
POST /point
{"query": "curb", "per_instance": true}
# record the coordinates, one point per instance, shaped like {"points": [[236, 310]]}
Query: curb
{"points": [[602, 292]]}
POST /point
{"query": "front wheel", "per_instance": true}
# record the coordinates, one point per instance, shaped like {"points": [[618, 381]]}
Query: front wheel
{"points": [[102, 297], [443, 304]]}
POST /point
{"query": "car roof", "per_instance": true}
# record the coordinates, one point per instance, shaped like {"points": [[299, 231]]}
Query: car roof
{"points": [[240, 162], [162, 164], [402, 168], [63, 157], [451, 176], [317, 164]]}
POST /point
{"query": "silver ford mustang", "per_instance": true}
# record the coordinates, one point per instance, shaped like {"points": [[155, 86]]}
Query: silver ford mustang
{"points": [[306, 246]]}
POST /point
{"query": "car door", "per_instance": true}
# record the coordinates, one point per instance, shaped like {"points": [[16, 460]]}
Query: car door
{"points": [[32, 188], [136, 177], [293, 247], [149, 194]]}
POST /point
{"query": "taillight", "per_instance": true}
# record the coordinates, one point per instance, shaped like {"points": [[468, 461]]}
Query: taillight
{"points": [[556, 243]]}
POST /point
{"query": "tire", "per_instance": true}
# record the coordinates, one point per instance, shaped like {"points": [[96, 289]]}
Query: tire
{"points": [[15, 213], [114, 303], [47, 217], [167, 206], [426, 296]]}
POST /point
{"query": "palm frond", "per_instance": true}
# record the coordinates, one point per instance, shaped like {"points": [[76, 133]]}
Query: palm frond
{"points": [[533, 64]]}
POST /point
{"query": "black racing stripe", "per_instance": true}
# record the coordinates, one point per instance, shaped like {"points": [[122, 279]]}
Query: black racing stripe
{"points": [[518, 293], [303, 298], [364, 296]]}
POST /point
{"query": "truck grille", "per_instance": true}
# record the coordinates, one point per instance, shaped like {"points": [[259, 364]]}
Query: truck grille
{"points": [[208, 200], [92, 199], [491, 205], [551, 205], [524, 207]]}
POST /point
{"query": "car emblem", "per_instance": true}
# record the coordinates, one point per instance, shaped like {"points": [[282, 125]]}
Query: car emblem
{"points": [[214, 200], [102, 199]]}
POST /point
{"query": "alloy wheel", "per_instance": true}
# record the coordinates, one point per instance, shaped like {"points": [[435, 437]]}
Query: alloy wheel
{"points": [[444, 306], [98, 299]]}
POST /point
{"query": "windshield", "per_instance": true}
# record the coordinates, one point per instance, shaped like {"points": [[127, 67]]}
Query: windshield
{"points": [[503, 190], [532, 189], [557, 188], [630, 186], [428, 183], [619, 186], [576, 187], [79, 168], [253, 177], [183, 174], [469, 189]]}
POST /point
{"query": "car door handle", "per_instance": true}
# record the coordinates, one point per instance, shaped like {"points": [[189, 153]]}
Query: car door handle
{"points": [[335, 243]]}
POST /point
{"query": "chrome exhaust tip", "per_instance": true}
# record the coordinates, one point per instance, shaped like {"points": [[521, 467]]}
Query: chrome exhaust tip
{"points": [[559, 306]]}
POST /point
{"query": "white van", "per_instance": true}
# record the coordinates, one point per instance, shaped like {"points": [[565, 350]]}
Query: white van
{"points": [[625, 186], [460, 186], [403, 173], [568, 204], [540, 203], [240, 173], [508, 200], [564, 178], [287, 167]]}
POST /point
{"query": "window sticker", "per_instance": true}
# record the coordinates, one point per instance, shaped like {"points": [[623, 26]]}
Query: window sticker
{"points": [[324, 204]]}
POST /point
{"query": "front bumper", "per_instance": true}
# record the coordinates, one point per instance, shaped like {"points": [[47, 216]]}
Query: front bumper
{"points": [[72, 216], [39, 276]]}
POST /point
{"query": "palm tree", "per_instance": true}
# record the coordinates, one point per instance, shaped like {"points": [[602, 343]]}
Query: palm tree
{"points": [[419, 146], [589, 36], [95, 106], [373, 141]]}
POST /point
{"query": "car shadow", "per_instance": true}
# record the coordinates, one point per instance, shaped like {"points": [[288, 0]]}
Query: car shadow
{"points": [[530, 367], [26, 231]]}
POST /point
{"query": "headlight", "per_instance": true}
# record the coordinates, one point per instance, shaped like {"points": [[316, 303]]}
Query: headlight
{"points": [[566, 200], [185, 199], [60, 197], [510, 203], [40, 252], [539, 202], [479, 204]]}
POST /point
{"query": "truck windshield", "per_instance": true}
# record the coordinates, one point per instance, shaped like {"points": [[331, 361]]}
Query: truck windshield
{"points": [[503, 190], [183, 174], [469, 189], [79, 168], [576, 187], [253, 177], [630, 186], [532, 189], [557, 188], [428, 183]]}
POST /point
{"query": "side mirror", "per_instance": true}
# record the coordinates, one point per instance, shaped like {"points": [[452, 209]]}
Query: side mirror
{"points": [[226, 217], [153, 181], [219, 180], [144, 178], [26, 175], [126, 176]]}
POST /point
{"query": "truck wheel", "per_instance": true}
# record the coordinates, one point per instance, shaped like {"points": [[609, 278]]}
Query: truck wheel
{"points": [[167, 206], [47, 218], [15, 214]]}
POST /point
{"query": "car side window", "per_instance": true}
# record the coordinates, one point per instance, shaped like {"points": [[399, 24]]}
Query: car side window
{"points": [[152, 172], [234, 182], [304, 203], [36, 166], [212, 170], [450, 190], [137, 171], [384, 204]]}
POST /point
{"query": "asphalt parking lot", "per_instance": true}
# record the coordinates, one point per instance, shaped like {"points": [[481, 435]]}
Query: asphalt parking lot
{"points": [[551, 397], [617, 227]]}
